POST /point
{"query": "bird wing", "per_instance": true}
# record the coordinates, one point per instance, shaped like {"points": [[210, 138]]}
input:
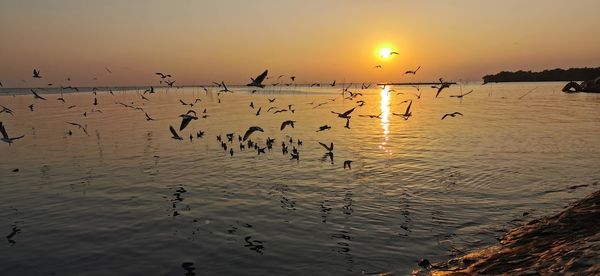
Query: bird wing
{"points": [[250, 131], [458, 113], [468, 93], [182, 102], [260, 78], [224, 86], [147, 117], [417, 69], [439, 90], [284, 124], [408, 108], [348, 112], [327, 147], [3, 131], [184, 122], [445, 115], [19, 137], [174, 132]]}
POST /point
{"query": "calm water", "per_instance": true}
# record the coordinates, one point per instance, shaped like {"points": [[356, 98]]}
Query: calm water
{"points": [[129, 200]]}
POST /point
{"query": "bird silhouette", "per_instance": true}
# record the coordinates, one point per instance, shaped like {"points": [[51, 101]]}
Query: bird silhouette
{"points": [[257, 82], [453, 114], [250, 131], [187, 118], [344, 115], [323, 128], [286, 123], [36, 95], [412, 71], [348, 164], [175, 134], [36, 74], [6, 138]]}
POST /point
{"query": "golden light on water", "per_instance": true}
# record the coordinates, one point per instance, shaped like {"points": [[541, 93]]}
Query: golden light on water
{"points": [[385, 115]]}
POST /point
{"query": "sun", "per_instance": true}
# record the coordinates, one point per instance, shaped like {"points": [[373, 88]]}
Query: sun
{"points": [[385, 52]]}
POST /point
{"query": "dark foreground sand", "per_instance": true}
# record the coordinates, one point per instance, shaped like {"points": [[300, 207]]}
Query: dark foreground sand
{"points": [[566, 243]]}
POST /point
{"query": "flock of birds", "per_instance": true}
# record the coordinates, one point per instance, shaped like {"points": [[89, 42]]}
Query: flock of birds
{"points": [[245, 140]]}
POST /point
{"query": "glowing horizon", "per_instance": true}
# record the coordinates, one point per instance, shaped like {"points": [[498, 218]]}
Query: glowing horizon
{"points": [[315, 41]]}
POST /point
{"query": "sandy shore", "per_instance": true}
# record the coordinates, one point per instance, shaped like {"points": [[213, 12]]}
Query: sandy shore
{"points": [[566, 243]]}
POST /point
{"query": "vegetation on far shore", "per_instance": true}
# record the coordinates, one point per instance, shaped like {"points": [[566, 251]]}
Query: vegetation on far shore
{"points": [[572, 74]]}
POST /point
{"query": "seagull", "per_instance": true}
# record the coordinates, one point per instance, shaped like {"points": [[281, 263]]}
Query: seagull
{"points": [[149, 90], [453, 114], [148, 118], [293, 78], [252, 105], [377, 66], [175, 135], [286, 123], [36, 74], [407, 113], [348, 163], [259, 79], [461, 94], [412, 72], [345, 115], [84, 128], [170, 83], [371, 116], [271, 100], [108, 70], [184, 103], [329, 152], [250, 131], [441, 87], [333, 83], [31, 107], [258, 112], [162, 76], [328, 148], [95, 101], [36, 96], [5, 136], [225, 89], [323, 128], [186, 118], [7, 110]]}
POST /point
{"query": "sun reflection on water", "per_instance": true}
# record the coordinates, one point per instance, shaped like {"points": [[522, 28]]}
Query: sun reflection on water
{"points": [[385, 114]]}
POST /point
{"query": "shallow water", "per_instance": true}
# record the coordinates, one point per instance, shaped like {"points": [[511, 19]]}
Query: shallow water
{"points": [[129, 200]]}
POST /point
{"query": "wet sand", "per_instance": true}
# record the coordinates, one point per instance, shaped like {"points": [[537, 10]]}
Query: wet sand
{"points": [[566, 243]]}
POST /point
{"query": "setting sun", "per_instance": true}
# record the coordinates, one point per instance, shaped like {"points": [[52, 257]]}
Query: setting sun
{"points": [[385, 52]]}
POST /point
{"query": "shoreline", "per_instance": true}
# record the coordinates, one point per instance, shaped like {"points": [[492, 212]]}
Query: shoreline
{"points": [[564, 243]]}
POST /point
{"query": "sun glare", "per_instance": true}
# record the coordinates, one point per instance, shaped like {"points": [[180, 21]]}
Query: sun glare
{"points": [[385, 52]]}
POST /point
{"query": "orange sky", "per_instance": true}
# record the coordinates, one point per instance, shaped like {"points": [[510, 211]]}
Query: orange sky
{"points": [[202, 41]]}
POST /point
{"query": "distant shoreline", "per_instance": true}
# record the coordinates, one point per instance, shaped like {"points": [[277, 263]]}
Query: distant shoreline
{"points": [[572, 74]]}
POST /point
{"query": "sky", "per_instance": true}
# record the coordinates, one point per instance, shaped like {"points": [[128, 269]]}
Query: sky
{"points": [[315, 40]]}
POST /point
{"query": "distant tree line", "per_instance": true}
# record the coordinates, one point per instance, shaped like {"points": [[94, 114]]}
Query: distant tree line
{"points": [[572, 74]]}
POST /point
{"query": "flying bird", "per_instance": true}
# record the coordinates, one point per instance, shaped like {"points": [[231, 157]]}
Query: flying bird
{"points": [[7, 110], [453, 114], [36, 74], [461, 94], [286, 123], [250, 131], [175, 134], [347, 164], [83, 128], [225, 89], [31, 107], [344, 115], [170, 83], [7, 138], [36, 96], [187, 118], [412, 71], [148, 118], [258, 111], [258, 80], [323, 128], [163, 76]]}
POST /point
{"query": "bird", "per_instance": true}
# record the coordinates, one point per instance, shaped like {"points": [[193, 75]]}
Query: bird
{"points": [[258, 111], [187, 118], [348, 164], [377, 66], [323, 128], [250, 131], [7, 110], [329, 152], [148, 118], [31, 107], [36, 74], [371, 116], [225, 89], [345, 115], [461, 94], [252, 105], [286, 123], [149, 90], [170, 83], [83, 128], [95, 101], [412, 71], [271, 100], [407, 113], [453, 114], [293, 78], [333, 83], [36, 96], [7, 138], [175, 135], [257, 82], [163, 76], [328, 148], [441, 87]]}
